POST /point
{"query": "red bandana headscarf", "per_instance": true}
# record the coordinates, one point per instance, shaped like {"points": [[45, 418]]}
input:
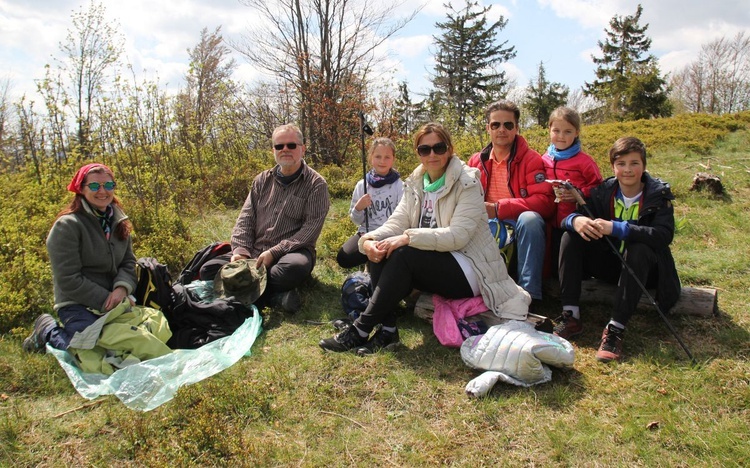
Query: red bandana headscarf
{"points": [[75, 184]]}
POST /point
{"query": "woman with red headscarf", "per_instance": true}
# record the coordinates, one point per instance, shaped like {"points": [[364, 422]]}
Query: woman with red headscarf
{"points": [[92, 259]]}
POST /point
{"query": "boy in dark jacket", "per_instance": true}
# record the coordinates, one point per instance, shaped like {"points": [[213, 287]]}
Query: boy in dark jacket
{"points": [[636, 211]]}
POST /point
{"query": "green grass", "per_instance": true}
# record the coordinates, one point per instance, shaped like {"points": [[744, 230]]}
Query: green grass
{"points": [[291, 404]]}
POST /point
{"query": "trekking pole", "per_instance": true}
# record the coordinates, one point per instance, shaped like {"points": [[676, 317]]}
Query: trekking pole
{"points": [[582, 202], [364, 128]]}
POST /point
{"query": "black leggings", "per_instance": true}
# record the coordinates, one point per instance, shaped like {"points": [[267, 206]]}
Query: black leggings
{"points": [[406, 269], [349, 255]]}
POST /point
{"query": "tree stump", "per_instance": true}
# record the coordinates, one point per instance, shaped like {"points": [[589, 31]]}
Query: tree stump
{"points": [[710, 182]]}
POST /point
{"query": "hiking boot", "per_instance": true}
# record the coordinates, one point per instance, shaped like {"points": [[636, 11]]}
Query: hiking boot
{"points": [[382, 339], [36, 342], [567, 326], [347, 340], [611, 347], [288, 301]]}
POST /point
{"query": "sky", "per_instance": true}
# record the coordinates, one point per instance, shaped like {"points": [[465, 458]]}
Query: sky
{"points": [[562, 34]]}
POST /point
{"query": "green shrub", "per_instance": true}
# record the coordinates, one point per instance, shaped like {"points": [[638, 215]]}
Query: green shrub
{"points": [[26, 215]]}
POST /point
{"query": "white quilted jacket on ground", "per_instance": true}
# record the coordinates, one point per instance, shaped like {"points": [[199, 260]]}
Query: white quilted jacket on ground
{"points": [[515, 353]]}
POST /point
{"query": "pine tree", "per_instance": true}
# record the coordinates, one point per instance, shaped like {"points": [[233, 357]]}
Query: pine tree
{"points": [[409, 114], [543, 97], [626, 74], [466, 74]]}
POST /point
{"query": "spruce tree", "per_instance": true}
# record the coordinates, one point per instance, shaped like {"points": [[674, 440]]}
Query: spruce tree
{"points": [[408, 114], [543, 97], [626, 74], [467, 59]]}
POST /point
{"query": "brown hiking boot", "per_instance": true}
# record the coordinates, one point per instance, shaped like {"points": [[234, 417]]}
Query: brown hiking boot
{"points": [[610, 348], [567, 326]]}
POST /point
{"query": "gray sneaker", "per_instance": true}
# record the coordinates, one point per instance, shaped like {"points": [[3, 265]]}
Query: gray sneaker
{"points": [[35, 342]]}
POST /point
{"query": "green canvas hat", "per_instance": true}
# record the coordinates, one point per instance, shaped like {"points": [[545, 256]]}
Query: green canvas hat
{"points": [[242, 280]]}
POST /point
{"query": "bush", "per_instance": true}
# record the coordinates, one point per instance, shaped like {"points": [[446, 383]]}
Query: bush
{"points": [[26, 215]]}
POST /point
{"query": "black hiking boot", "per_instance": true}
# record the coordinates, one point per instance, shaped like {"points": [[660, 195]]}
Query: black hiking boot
{"points": [[347, 340]]}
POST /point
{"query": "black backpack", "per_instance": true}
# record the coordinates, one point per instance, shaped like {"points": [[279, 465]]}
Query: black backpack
{"points": [[355, 293], [195, 322], [191, 272], [154, 285]]}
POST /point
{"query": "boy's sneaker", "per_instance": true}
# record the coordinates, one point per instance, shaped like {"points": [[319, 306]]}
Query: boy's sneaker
{"points": [[288, 301], [610, 348], [567, 326], [382, 339], [35, 342], [347, 340]]}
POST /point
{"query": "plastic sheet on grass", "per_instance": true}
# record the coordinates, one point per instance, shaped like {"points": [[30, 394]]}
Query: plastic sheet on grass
{"points": [[149, 384]]}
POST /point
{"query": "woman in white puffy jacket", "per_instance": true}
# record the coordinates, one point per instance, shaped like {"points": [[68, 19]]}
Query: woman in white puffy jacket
{"points": [[436, 241]]}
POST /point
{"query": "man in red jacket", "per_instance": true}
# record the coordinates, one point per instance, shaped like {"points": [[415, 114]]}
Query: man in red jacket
{"points": [[514, 189]]}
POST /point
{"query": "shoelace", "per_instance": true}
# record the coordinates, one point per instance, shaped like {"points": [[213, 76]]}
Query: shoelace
{"points": [[349, 337], [562, 320], [612, 339]]}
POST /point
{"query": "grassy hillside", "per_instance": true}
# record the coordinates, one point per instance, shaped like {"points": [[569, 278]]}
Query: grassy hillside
{"points": [[291, 404]]}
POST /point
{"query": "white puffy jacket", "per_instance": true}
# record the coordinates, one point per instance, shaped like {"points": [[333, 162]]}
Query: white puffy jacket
{"points": [[514, 352]]}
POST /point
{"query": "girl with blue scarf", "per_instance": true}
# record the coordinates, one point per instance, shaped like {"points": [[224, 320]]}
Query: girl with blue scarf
{"points": [[370, 208], [564, 160]]}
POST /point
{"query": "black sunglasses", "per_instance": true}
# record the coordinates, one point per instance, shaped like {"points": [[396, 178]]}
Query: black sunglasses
{"points": [[507, 125], [437, 148], [95, 186], [280, 146]]}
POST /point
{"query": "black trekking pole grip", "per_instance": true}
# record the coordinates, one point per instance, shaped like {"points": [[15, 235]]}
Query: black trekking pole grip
{"points": [[582, 202], [362, 130]]}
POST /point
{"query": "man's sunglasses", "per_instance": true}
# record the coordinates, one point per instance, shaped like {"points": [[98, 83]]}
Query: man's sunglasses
{"points": [[508, 125], [95, 186], [438, 148], [280, 146]]}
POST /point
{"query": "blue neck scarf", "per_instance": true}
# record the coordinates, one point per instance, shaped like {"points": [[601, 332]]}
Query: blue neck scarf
{"points": [[376, 181], [569, 152]]}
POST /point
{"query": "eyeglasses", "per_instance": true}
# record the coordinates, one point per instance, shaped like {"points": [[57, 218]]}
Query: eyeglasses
{"points": [[280, 146], [437, 148], [508, 125], [95, 186]]}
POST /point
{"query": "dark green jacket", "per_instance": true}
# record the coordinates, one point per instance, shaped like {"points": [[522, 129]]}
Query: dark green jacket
{"points": [[86, 266]]}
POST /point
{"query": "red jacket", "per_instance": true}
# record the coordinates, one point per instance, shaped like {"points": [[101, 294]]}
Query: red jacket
{"points": [[525, 181], [581, 170]]}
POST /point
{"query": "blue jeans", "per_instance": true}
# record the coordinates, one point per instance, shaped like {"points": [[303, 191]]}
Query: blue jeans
{"points": [[74, 318], [530, 245]]}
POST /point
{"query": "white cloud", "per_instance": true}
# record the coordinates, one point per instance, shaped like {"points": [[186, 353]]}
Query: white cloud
{"points": [[587, 13], [409, 47], [158, 34], [514, 73]]}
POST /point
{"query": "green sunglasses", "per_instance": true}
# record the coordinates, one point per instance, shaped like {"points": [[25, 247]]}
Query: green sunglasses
{"points": [[95, 186]]}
